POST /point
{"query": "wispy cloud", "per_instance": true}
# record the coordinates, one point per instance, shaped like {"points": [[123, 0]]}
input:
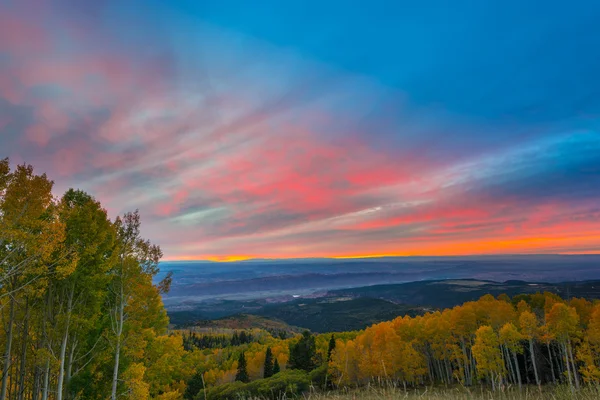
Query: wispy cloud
{"points": [[236, 142]]}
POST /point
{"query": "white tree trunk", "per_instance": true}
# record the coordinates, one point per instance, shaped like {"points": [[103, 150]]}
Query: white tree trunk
{"points": [[46, 380], [7, 352], [119, 332], [535, 371], [63, 351]]}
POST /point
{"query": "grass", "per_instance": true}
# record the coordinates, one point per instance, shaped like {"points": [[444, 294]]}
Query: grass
{"points": [[458, 393]]}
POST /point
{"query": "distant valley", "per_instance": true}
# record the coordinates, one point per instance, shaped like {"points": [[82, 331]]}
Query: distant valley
{"points": [[342, 295]]}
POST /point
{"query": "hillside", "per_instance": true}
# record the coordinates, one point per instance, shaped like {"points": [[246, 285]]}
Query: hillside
{"points": [[326, 314], [449, 293], [247, 321], [337, 314]]}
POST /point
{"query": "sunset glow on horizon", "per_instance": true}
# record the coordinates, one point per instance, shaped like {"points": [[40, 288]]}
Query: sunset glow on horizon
{"points": [[389, 130]]}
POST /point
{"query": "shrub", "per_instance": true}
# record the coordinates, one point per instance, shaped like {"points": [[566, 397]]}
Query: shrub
{"points": [[228, 391], [319, 377], [288, 383]]}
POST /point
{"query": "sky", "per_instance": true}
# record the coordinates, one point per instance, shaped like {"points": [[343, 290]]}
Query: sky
{"points": [[289, 129]]}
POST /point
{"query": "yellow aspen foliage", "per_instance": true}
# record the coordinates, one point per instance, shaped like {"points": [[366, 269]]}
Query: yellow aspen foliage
{"points": [[281, 352], [137, 388], [210, 377], [164, 361], [522, 306], [486, 351], [495, 312], [344, 363], [227, 376], [510, 337], [437, 331], [463, 321], [590, 370], [412, 365], [549, 300], [529, 325], [589, 351], [593, 330], [255, 364], [503, 297], [406, 328], [530, 331], [563, 322], [584, 309], [545, 334], [378, 349]]}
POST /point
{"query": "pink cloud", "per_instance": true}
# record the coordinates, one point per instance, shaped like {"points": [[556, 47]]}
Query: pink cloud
{"points": [[38, 134], [19, 34], [72, 158]]}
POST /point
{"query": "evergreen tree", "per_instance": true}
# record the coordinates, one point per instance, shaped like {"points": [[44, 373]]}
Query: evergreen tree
{"points": [[276, 368], [268, 369], [194, 386], [304, 353], [331, 348], [242, 371]]}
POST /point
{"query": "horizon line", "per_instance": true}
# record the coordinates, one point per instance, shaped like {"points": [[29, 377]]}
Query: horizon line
{"points": [[233, 259]]}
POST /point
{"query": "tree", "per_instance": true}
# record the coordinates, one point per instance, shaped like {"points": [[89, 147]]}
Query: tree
{"points": [[136, 265], [589, 351], [194, 386], [268, 369], [331, 347], [76, 290], [510, 339], [344, 363], [411, 364], [530, 330], [90, 236], [31, 236], [378, 349], [590, 369], [563, 324], [303, 353], [486, 351], [463, 325], [137, 389], [164, 360], [276, 368], [242, 372], [504, 297]]}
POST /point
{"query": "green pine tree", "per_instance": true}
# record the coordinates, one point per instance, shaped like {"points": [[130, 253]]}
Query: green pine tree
{"points": [[331, 348], [276, 368], [268, 369], [194, 386], [303, 355], [242, 371]]}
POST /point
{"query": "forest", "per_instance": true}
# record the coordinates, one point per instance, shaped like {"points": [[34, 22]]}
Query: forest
{"points": [[82, 318]]}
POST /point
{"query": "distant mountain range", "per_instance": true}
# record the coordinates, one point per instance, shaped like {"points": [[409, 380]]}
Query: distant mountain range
{"points": [[279, 280]]}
